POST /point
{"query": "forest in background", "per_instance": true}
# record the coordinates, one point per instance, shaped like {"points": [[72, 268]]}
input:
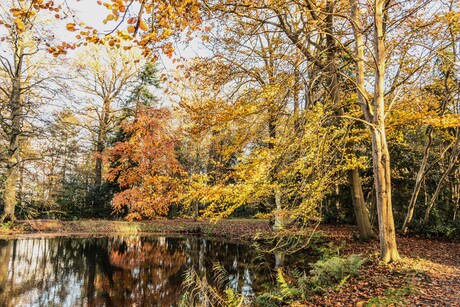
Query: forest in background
{"points": [[308, 111]]}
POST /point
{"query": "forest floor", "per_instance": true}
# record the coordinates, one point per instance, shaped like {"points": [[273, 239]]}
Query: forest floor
{"points": [[427, 275]]}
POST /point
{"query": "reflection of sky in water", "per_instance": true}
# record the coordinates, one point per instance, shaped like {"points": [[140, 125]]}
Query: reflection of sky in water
{"points": [[116, 271], [34, 279]]}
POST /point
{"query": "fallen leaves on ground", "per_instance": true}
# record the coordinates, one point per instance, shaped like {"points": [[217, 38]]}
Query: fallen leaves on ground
{"points": [[428, 273]]}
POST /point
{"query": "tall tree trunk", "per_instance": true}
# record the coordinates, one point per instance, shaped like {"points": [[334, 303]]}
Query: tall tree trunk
{"points": [[382, 179], [98, 166], [20, 196], [380, 153], [101, 141], [455, 194], [12, 166], [275, 199], [359, 205], [375, 117], [354, 180]]}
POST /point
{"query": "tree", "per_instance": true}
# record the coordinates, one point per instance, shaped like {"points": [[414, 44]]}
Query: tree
{"points": [[105, 75], [442, 93], [380, 152], [145, 166], [310, 30], [23, 75]]}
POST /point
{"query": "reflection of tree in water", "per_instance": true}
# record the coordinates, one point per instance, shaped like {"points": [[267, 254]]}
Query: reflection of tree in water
{"points": [[144, 273], [242, 263], [5, 252], [116, 271]]}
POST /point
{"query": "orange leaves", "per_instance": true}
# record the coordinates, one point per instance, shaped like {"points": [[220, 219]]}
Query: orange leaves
{"points": [[148, 26], [71, 27], [145, 166], [143, 25], [168, 49], [16, 12], [169, 18], [61, 49], [132, 20]]}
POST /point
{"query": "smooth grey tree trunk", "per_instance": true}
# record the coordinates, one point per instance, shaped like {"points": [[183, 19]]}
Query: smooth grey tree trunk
{"points": [[374, 114]]}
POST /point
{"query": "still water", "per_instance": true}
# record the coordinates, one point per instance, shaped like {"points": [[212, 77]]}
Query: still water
{"points": [[121, 270]]}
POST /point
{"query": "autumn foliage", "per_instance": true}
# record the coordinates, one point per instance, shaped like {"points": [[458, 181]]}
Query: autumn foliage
{"points": [[145, 23], [145, 166]]}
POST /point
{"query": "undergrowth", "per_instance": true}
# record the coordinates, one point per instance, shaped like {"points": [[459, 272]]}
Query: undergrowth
{"points": [[331, 271], [326, 273]]}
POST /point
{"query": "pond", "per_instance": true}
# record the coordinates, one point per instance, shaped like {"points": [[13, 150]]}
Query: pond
{"points": [[122, 270]]}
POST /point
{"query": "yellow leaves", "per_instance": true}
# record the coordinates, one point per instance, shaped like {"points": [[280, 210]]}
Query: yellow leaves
{"points": [[351, 161], [444, 121], [124, 35], [166, 33], [19, 25], [131, 29]]}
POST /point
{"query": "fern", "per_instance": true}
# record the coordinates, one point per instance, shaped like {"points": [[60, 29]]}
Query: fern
{"points": [[198, 292], [233, 299], [335, 271]]}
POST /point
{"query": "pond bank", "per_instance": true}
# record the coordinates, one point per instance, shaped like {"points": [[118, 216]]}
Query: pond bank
{"points": [[231, 229]]}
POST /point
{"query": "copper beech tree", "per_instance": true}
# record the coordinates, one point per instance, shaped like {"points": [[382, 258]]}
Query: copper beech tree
{"points": [[145, 166]]}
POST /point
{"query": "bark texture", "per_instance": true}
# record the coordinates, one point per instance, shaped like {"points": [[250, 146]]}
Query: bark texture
{"points": [[380, 153], [14, 135]]}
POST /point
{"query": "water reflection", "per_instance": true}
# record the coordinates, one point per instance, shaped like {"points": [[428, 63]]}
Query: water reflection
{"points": [[117, 271]]}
